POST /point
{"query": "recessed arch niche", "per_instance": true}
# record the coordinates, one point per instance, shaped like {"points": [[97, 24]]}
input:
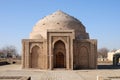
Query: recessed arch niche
{"points": [[59, 53], [83, 57], [35, 53]]}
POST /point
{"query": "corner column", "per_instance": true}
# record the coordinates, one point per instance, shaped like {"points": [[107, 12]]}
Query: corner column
{"points": [[67, 54]]}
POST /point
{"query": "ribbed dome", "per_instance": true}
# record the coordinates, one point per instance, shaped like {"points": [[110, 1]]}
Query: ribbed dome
{"points": [[58, 21]]}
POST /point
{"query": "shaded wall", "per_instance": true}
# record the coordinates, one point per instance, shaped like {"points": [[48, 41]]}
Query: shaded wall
{"points": [[85, 54]]}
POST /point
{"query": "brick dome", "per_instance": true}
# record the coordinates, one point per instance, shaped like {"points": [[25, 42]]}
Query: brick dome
{"points": [[58, 21]]}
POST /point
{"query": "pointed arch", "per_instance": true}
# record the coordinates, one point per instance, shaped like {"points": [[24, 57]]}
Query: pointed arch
{"points": [[59, 54], [59, 39]]}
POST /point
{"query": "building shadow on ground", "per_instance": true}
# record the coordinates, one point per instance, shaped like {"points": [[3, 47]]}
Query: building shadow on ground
{"points": [[108, 67], [4, 63]]}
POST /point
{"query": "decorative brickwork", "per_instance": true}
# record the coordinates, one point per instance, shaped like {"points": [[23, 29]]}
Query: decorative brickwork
{"points": [[62, 45]]}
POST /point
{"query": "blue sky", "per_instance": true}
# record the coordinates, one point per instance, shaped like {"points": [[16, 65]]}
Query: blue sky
{"points": [[101, 18]]}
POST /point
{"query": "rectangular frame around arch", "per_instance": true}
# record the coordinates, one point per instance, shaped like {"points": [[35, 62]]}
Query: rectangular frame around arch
{"points": [[69, 34]]}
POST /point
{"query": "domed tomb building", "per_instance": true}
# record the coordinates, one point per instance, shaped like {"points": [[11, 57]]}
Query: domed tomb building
{"points": [[59, 41]]}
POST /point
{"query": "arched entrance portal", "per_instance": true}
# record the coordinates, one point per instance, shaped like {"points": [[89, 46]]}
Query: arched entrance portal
{"points": [[59, 55]]}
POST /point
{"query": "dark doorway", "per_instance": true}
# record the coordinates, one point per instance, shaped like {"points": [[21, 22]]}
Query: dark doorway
{"points": [[59, 60], [116, 59]]}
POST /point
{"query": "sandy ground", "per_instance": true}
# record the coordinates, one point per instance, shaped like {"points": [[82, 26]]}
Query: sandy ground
{"points": [[36, 74], [10, 67]]}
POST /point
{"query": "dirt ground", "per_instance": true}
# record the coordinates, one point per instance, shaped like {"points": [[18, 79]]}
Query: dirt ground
{"points": [[60, 74]]}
